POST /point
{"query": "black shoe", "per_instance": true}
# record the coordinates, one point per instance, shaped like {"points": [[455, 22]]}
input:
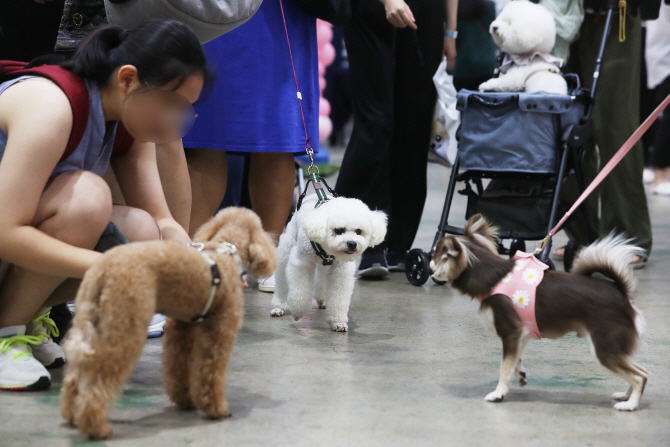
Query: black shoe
{"points": [[396, 261], [373, 263]]}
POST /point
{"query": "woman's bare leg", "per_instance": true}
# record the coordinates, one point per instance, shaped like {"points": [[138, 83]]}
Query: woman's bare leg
{"points": [[271, 187], [75, 208], [208, 170]]}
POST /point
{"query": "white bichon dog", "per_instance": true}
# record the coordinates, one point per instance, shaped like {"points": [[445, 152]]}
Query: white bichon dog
{"points": [[340, 229], [526, 32]]}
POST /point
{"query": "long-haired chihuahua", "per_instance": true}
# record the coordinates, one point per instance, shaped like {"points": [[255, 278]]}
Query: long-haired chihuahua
{"points": [[600, 309]]}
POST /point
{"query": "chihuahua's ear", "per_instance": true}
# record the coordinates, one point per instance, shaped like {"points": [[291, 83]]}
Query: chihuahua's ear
{"points": [[378, 225], [449, 247], [479, 229], [314, 223]]}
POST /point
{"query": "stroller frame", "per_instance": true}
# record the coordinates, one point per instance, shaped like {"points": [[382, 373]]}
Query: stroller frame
{"points": [[572, 158]]}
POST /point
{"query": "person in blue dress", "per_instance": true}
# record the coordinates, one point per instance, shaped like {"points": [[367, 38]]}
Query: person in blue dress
{"points": [[252, 108]]}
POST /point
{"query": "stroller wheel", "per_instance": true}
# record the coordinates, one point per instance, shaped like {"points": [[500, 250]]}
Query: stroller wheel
{"points": [[571, 250], [417, 267], [516, 245]]}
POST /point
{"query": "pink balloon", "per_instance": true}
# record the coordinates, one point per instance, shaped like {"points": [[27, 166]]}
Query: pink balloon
{"points": [[322, 84], [325, 128], [322, 69], [324, 107], [324, 34], [327, 54]]}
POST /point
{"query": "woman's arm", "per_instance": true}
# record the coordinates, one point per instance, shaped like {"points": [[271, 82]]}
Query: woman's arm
{"points": [[37, 117], [176, 181], [449, 50], [137, 174]]}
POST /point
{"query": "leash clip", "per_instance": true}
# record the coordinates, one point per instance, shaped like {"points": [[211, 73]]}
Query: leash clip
{"points": [[539, 247]]}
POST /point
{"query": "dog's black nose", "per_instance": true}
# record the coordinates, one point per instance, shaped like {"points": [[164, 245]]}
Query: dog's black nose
{"points": [[351, 245], [495, 28]]}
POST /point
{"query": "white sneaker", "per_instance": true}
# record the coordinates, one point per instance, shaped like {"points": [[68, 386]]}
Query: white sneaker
{"points": [[267, 284], [156, 326], [648, 175], [19, 370], [47, 351], [662, 189]]}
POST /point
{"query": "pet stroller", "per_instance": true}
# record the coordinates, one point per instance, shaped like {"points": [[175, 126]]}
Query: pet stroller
{"points": [[525, 144]]}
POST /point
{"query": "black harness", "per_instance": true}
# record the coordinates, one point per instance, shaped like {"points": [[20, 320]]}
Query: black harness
{"points": [[316, 180]]}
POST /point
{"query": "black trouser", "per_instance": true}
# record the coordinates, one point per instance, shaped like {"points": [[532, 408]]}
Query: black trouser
{"points": [[29, 29], [394, 98], [660, 147]]}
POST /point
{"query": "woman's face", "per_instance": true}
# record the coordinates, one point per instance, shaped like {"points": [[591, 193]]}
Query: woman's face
{"points": [[158, 115]]}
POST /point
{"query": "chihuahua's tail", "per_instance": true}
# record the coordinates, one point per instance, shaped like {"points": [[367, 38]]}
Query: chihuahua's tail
{"points": [[611, 257]]}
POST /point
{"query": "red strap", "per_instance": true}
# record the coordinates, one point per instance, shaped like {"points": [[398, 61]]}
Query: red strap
{"points": [[123, 141], [621, 153], [73, 87], [295, 78]]}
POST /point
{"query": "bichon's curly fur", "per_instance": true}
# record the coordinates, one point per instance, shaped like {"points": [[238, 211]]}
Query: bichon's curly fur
{"points": [[118, 298], [344, 227], [526, 32]]}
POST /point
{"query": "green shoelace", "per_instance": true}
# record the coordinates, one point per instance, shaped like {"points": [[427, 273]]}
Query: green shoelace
{"points": [[17, 341]]}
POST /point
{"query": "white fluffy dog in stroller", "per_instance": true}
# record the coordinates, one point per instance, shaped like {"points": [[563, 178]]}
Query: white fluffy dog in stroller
{"points": [[317, 257], [526, 32]]}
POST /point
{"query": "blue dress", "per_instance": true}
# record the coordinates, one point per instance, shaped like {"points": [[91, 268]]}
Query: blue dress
{"points": [[252, 106]]}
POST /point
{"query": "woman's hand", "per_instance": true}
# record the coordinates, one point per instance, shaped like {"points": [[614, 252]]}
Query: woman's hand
{"points": [[139, 181], [399, 14]]}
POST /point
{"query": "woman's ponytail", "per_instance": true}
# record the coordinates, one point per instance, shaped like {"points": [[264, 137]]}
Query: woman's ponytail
{"points": [[163, 51], [93, 60]]}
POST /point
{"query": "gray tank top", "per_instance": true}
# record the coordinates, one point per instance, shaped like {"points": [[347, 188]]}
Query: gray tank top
{"points": [[95, 149]]}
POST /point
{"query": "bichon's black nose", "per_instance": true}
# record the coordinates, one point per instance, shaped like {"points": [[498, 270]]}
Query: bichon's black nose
{"points": [[495, 28], [351, 245]]}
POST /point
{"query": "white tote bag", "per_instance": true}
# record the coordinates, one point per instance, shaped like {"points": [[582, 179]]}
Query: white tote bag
{"points": [[443, 144]]}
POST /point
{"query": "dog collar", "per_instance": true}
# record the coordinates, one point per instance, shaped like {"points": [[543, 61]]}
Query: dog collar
{"points": [[225, 248], [320, 252]]}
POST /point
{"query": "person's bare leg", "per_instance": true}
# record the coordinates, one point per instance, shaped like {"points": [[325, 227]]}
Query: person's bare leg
{"points": [[208, 170], [175, 179], [75, 208], [136, 225], [271, 186]]}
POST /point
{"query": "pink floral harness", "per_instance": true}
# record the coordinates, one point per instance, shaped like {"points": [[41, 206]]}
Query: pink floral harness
{"points": [[519, 286]]}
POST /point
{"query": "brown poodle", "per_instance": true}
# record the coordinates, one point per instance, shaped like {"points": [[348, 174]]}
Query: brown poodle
{"points": [[119, 296]]}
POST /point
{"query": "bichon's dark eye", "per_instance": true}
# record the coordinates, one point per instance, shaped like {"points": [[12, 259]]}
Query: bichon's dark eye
{"points": [[358, 232], [339, 231]]}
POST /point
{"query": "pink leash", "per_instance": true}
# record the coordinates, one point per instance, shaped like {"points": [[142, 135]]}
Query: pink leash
{"points": [[295, 78], [604, 172]]}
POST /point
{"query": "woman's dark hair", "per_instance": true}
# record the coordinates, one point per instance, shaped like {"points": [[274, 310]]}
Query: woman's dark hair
{"points": [[163, 51]]}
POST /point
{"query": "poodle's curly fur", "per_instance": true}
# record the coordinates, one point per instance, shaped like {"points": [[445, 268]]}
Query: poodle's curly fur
{"points": [[118, 298]]}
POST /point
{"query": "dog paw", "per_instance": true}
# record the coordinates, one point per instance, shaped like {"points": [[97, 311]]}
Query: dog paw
{"points": [[625, 406], [523, 379], [620, 396], [277, 312], [488, 86], [322, 305], [340, 327], [495, 396]]}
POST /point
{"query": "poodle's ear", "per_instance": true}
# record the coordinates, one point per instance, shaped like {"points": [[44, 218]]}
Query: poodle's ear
{"points": [[314, 223], [262, 253], [481, 231], [378, 224], [209, 229]]}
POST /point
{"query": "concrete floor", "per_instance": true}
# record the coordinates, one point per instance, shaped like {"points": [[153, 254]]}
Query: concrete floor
{"points": [[413, 370]]}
